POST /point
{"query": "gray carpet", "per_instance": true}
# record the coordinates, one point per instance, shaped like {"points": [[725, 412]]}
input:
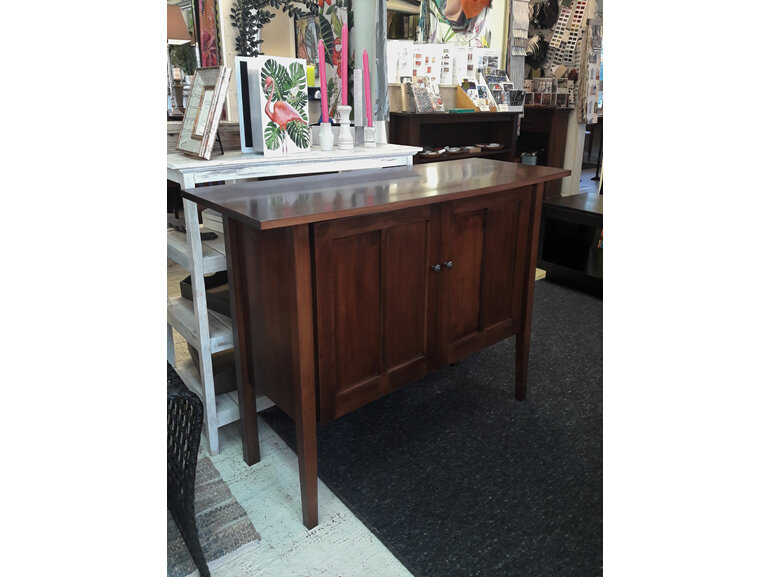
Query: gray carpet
{"points": [[460, 480], [223, 526]]}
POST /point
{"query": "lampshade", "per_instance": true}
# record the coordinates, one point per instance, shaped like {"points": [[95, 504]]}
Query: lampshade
{"points": [[176, 26]]}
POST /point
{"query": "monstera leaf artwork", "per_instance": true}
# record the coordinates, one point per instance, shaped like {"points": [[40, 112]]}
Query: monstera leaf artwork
{"points": [[283, 114]]}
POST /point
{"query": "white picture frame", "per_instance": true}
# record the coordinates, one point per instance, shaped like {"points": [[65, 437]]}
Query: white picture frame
{"points": [[204, 110]]}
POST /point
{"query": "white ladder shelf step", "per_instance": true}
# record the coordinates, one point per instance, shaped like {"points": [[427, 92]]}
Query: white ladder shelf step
{"points": [[227, 403], [214, 256], [181, 316], [227, 409]]}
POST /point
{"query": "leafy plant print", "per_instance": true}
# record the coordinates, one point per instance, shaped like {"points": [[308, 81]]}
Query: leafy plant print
{"points": [[286, 105]]}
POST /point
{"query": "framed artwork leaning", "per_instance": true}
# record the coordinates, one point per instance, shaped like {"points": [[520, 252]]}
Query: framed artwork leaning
{"points": [[204, 110], [279, 105]]}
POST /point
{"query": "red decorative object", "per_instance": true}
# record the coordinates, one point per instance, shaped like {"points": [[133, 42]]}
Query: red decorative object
{"points": [[472, 8], [207, 27]]}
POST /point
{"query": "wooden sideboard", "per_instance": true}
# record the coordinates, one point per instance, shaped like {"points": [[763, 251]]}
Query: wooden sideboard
{"points": [[348, 286]]}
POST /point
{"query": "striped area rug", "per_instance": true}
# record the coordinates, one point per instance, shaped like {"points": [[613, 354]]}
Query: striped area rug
{"points": [[224, 528]]}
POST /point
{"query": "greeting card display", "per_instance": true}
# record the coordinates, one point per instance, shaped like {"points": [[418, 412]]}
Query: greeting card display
{"points": [[280, 120], [427, 96]]}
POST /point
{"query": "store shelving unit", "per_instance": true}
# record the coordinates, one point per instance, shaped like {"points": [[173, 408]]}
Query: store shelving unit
{"points": [[448, 129]]}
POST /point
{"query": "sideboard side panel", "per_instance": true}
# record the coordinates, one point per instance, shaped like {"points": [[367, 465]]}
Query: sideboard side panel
{"points": [[266, 267]]}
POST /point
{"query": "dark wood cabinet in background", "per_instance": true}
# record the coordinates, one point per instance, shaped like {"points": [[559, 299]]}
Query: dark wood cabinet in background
{"points": [[570, 233], [544, 130], [456, 129]]}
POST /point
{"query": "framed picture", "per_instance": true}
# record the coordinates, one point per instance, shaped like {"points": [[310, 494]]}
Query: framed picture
{"points": [[279, 105], [204, 109], [207, 21], [307, 31]]}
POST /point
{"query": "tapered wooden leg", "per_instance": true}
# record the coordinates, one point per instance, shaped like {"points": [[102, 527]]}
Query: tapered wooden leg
{"points": [[522, 338], [304, 392], [308, 467], [247, 395]]}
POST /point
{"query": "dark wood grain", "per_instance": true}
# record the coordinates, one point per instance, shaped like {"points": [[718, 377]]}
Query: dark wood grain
{"points": [[303, 356], [266, 266], [464, 231], [373, 305], [280, 203], [247, 406], [523, 336], [481, 294]]}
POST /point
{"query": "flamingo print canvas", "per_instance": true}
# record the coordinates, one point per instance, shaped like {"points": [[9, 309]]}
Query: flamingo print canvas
{"points": [[283, 107]]}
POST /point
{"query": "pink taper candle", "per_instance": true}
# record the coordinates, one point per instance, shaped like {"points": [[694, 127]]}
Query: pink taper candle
{"points": [[322, 80], [344, 65], [367, 90]]}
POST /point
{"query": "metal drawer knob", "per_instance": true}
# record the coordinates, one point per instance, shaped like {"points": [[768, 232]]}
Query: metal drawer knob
{"points": [[449, 265]]}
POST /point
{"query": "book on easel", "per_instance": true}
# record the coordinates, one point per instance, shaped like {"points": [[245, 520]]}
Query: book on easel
{"points": [[427, 97], [407, 95], [485, 102]]}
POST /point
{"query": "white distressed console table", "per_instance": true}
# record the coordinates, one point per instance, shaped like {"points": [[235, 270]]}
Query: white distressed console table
{"points": [[208, 331]]}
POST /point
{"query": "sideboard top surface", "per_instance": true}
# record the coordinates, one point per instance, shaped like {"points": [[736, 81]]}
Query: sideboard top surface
{"points": [[302, 200]]}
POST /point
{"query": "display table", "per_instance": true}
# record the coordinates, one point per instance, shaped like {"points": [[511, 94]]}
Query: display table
{"points": [[205, 330], [348, 286], [570, 232], [233, 165]]}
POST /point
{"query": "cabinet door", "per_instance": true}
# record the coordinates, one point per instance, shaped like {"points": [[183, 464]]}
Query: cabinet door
{"points": [[376, 304], [485, 239]]}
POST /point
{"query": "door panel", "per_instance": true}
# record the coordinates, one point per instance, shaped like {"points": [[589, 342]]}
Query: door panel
{"points": [[404, 271], [375, 303], [481, 295], [355, 262], [464, 247], [497, 279]]}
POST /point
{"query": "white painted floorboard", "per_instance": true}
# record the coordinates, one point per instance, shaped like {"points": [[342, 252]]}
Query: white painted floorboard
{"points": [[340, 546]]}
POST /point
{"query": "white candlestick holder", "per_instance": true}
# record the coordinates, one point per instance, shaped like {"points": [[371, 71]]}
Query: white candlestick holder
{"points": [[326, 136], [345, 139], [369, 141]]}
